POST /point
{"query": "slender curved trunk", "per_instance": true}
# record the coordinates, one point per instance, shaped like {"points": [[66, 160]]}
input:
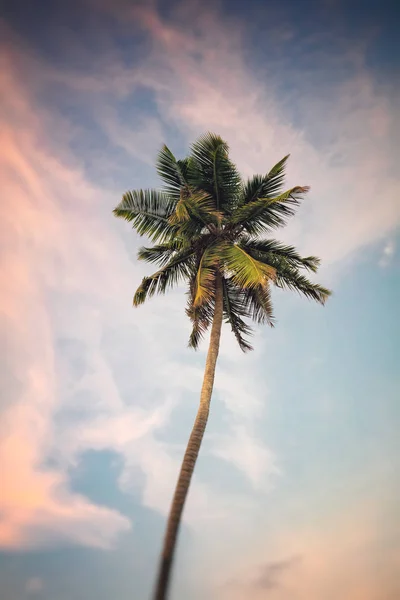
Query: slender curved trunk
{"points": [[192, 452]]}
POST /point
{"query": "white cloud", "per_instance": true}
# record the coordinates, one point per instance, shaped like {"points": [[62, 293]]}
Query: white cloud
{"points": [[202, 82], [249, 454], [69, 272], [309, 561], [388, 252], [69, 279]]}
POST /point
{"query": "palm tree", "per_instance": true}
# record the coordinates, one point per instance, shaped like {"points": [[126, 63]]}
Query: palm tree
{"points": [[207, 225]]}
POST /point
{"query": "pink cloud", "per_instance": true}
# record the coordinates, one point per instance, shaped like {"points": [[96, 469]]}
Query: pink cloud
{"points": [[59, 240], [343, 557], [34, 500], [202, 82], [66, 274]]}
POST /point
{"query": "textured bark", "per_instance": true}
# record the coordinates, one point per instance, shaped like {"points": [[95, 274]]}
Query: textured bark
{"points": [[192, 452]]}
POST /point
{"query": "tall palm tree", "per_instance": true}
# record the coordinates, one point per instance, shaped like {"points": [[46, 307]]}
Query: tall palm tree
{"points": [[208, 226]]}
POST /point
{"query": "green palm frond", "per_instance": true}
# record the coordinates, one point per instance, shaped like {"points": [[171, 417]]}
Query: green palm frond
{"points": [[264, 186], [275, 177], [291, 279], [258, 303], [173, 172], [149, 212], [268, 213], [245, 271], [287, 266], [201, 317], [204, 284], [178, 268], [252, 189], [212, 171], [161, 254], [267, 250], [234, 309], [198, 205], [184, 167]]}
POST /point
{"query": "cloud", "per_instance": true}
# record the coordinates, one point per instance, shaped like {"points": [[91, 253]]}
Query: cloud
{"points": [[269, 576], [387, 253], [242, 447], [347, 556], [68, 324], [37, 508], [36, 505], [69, 272], [271, 573], [340, 142], [341, 130]]}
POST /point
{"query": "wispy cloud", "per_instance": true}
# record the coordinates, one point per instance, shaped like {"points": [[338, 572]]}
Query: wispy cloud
{"points": [[68, 269], [69, 277], [388, 252], [201, 81], [36, 504], [268, 577], [342, 557]]}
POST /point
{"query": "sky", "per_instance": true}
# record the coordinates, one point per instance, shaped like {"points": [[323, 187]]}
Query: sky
{"points": [[296, 491]]}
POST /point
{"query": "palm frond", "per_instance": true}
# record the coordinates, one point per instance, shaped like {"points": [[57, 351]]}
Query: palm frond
{"points": [[204, 284], [264, 186], [252, 189], [267, 250], [234, 310], [184, 166], [267, 213], [245, 271], [201, 317], [173, 172], [198, 205], [179, 267], [161, 254], [290, 278], [287, 267], [275, 177], [212, 171], [258, 303], [149, 212]]}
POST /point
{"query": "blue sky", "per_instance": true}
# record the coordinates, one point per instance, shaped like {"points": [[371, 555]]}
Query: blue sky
{"points": [[295, 494]]}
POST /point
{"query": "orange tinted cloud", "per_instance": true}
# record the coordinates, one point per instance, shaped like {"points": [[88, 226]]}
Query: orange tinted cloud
{"points": [[65, 273], [35, 503], [202, 82], [345, 556], [56, 239]]}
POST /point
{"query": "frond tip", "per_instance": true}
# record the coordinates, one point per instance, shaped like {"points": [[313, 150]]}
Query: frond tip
{"points": [[148, 211], [291, 279], [175, 270]]}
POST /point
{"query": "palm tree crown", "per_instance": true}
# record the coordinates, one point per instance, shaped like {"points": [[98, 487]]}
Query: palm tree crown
{"points": [[208, 227]]}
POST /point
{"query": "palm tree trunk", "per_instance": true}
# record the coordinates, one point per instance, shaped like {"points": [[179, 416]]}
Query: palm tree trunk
{"points": [[192, 451]]}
